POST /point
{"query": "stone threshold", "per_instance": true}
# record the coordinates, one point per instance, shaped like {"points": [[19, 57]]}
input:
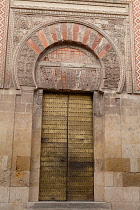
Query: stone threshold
{"points": [[68, 205]]}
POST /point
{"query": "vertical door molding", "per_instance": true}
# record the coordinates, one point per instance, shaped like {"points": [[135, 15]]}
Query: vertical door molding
{"points": [[98, 135]]}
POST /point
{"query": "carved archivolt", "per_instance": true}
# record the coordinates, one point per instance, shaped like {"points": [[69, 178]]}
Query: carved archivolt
{"points": [[109, 72]]}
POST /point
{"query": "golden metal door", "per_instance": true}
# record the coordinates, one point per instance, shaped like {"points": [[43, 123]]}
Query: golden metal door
{"points": [[66, 148]]}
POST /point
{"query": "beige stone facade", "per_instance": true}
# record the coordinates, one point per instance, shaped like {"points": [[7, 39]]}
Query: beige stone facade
{"points": [[102, 33]]}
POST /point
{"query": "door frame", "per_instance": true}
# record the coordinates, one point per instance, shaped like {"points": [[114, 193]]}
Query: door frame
{"points": [[98, 150]]}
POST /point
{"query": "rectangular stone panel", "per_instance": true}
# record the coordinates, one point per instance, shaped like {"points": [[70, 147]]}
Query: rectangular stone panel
{"points": [[131, 179], [117, 164]]}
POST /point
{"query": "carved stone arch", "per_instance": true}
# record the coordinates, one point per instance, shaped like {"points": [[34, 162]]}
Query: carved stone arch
{"points": [[86, 35]]}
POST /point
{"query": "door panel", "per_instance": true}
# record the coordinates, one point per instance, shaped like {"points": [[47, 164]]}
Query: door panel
{"points": [[80, 145], [54, 148], [67, 148]]}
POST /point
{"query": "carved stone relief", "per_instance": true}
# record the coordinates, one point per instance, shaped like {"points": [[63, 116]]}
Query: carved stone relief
{"points": [[68, 68], [91, 38], [25, 21]]}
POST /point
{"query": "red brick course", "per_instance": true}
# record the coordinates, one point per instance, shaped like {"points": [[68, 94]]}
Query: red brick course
{"points": [[42, 38]]}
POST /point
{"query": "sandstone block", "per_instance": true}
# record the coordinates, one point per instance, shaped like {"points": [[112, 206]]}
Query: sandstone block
{"points": [[23, 163], [117, 164], [127, 194], [11, 206], [4, 194], [117, 179], [33, 194], [99, 178], [135, 194], [99, 193], [3, 162], [5, 178], [108, 179], [20, 178], [131, 179], [19, 194]]}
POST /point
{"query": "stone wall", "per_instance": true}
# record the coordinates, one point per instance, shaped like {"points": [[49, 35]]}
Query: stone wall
{"points": [[116, 148]]}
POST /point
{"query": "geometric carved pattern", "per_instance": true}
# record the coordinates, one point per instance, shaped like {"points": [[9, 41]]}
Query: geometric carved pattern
{"points": [[136, 15], [2, 25]]}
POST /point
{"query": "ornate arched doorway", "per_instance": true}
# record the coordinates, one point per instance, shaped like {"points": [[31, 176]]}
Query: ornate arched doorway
{"points": [[96, 67]]}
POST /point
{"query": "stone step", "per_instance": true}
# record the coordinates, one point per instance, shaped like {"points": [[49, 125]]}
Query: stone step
{"points": [[68, 206]]}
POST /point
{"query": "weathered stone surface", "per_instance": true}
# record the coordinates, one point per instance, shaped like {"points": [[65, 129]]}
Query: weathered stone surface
{"points": [[69, 205], [131, 179], [117, 164]]}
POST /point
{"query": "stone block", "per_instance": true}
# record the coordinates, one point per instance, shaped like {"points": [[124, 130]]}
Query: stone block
{"points": [[23, 120], [135, 194], [22, 149], [134, 164], [33, 194], [35, 163], [20, 107], [4, 194], [3, 162], [126, 102], [23, 135], [113, 137], [112, 110], [99, 164], [98, 193], [98, 150], [132, 111], [113, 194], [131, 150], [117, 164], [127, 194], [29, 108], [5, 149], [118, 193], [113, 151], [124, 206], [37, 119], [109, 194], [131, 179], [5, 178], [23, 163], [34, 181], [7, 106], [36, 136], [76, 205], [112, 123], [19, 194], [36, 149], [98, 178], [20, 178], [28, 98], [117, 179], [7, 98], [11, 206], [108, 179]]}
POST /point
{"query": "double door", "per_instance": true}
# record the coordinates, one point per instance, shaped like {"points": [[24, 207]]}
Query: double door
{"points": [[66, 168]]}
